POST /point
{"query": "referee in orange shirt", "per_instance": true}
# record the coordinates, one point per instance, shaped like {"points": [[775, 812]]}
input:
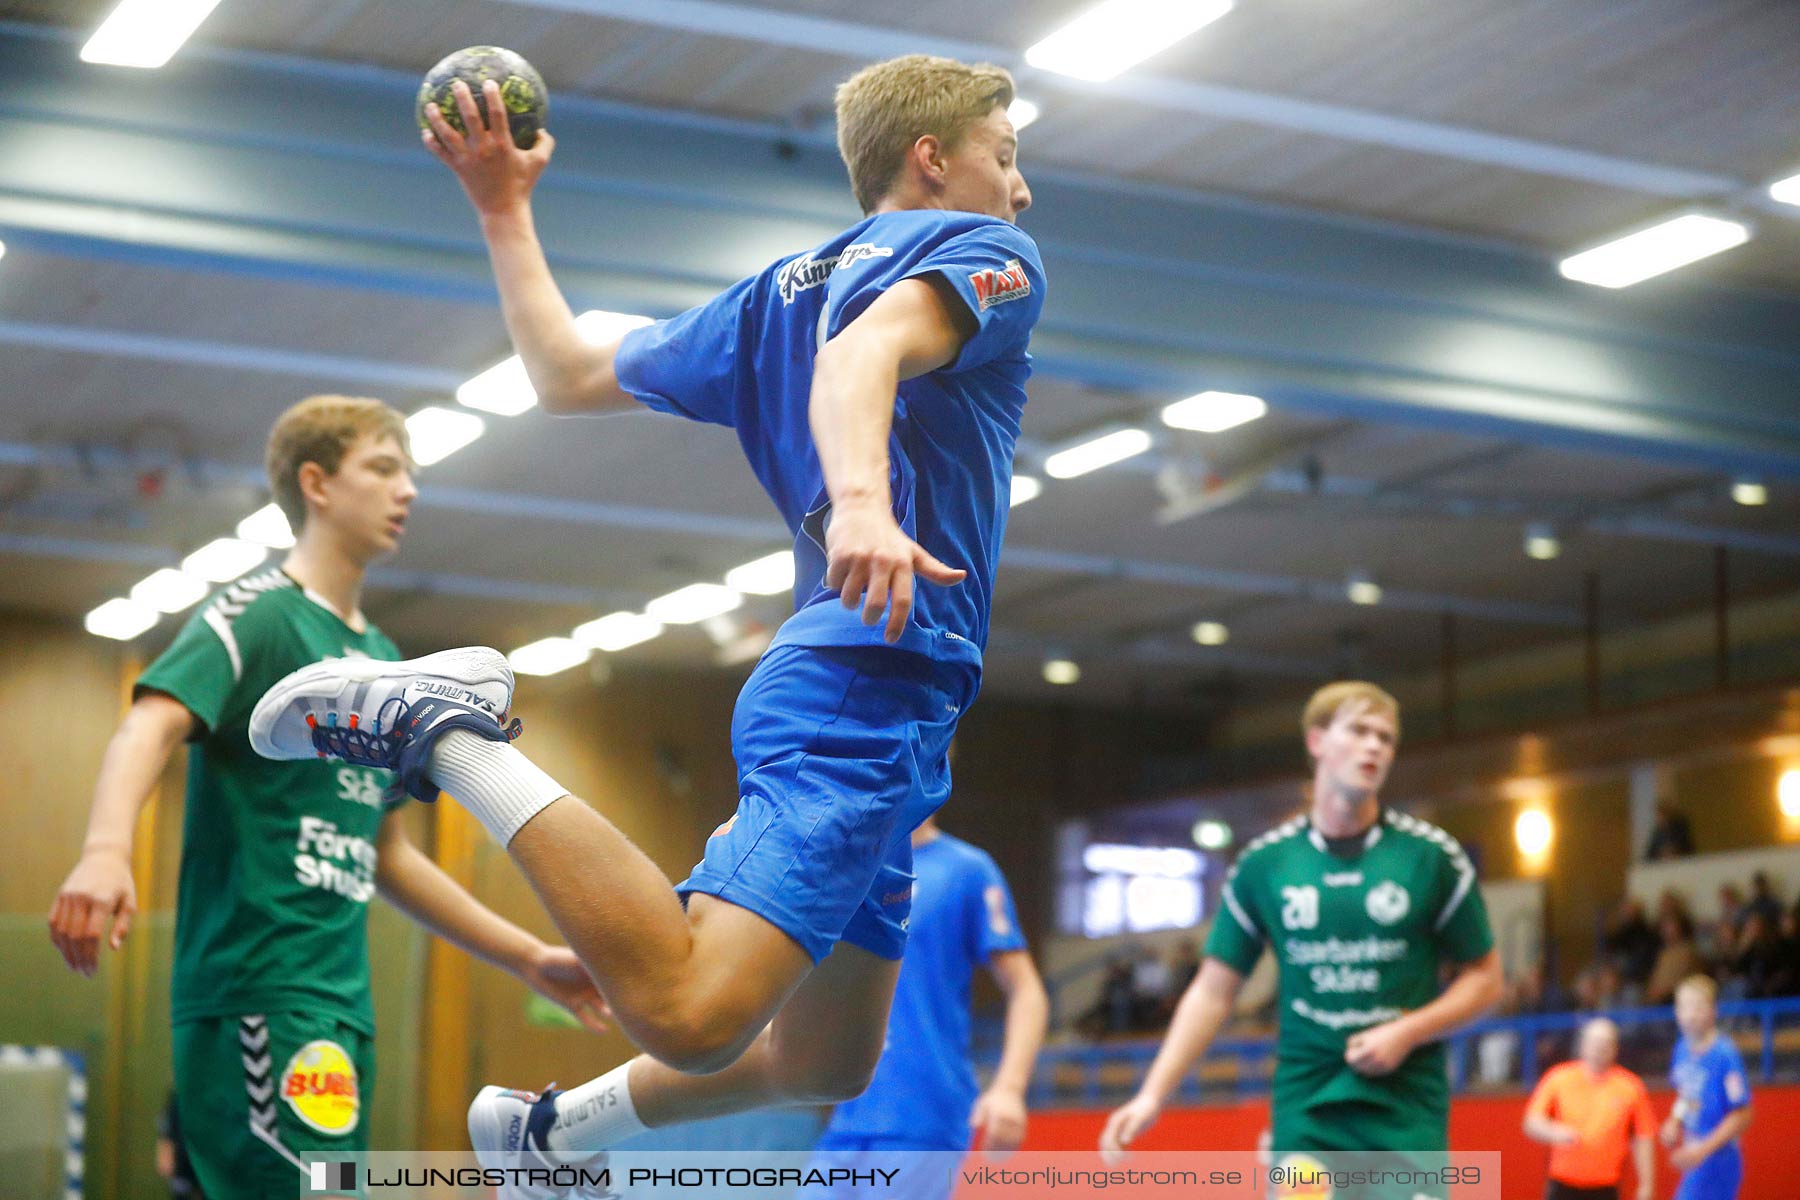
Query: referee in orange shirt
{"points": [[1589, 1112]]}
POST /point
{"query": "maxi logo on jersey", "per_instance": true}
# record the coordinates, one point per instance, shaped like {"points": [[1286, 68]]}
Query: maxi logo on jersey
{"points": [[808, 272], [997, 287]]}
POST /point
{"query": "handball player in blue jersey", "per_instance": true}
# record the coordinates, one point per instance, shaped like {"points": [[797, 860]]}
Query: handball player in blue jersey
{"points": [[875, 382], [1712, 1098], [924, 1096]]}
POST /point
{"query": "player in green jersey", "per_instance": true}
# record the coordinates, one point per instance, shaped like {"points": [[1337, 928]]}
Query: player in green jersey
{"points": [[1361, 905], [271, 1002]]}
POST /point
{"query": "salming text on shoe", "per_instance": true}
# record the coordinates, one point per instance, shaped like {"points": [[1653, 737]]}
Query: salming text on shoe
{"points": [[508, 1130], [386, 714]]}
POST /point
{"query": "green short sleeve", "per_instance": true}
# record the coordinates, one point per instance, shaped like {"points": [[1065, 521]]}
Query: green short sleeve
{"points": [[1462, 928], [1237, 935], [200, 669]]}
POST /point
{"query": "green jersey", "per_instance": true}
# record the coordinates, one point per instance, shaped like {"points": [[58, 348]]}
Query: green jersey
{"points": [[1359, 938], [278, 858]]}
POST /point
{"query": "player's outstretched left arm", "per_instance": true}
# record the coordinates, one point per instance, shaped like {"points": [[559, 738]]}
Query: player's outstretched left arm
{"points": [[569, 375], [918, 325], [422, 890], [1477, 987], [999, 1115]]}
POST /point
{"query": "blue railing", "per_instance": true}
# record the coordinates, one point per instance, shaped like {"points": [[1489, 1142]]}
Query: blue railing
{"points": [[1125, 1062]]}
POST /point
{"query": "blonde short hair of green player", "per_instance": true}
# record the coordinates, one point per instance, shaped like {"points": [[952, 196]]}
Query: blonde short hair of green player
{"points": [[883, 109], [321, 429], [1330, 700]]}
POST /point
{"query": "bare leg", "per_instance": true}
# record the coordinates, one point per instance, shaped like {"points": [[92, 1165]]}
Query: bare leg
{"points": [[692, 987], [821, 1047]]}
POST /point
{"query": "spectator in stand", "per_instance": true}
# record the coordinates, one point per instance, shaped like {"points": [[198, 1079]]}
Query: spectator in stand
{"points": [[1591, 1113], [1150, 984], [1631, 942], [1182, 966], [1672, 837], [1763, 900], [1597, 987], [1786, 980], [1678, 958], [1722, 935], [1753, 962], [1114, 1011]]}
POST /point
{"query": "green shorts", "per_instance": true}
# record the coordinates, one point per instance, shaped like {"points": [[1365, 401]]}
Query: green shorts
{"points": [[1388, 1147], [258, 1093]]}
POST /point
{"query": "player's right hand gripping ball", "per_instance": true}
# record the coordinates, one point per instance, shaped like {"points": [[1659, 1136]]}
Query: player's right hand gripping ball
{"points": [[521, 90]]}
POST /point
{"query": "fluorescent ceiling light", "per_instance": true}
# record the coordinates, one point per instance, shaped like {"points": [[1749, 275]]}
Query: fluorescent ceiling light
{"points": [[145, 33], [616, 631], [1750, 493], [223, 559], [1025, 488], [121, 619], [505, 390], [766, 576], [1061, 671], [694, 603], [1211, 835], [1211, 633], [1786, 190], [548, 656], [1650, 252], [1362, 590], [1021, 112], [2, 249], [1116, 34], [1213, 412], [168, 591], [437, 433], [598, 326], [1542, 543], [1100, 452], [267, 526]]}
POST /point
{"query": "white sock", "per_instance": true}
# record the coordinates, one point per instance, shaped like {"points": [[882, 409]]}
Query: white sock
{"points": [[499, 786], [596, 1116]]}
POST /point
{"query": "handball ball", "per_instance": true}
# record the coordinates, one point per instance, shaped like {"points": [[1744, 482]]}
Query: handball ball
{"points": [[521, 90]]}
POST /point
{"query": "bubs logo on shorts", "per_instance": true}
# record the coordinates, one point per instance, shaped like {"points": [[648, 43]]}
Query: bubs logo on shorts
{"points": [[1301, 1177], [997, 287], [319, 1083]]}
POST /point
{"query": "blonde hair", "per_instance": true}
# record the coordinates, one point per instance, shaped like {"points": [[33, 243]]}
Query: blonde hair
{"points": [[883, 109], [1330, 700], [1700, 983], [321, 429]]}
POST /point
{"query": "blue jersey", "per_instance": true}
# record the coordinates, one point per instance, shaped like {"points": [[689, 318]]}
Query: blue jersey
{"points": [[1712, 1085], [924, 1085], [746, 360]]}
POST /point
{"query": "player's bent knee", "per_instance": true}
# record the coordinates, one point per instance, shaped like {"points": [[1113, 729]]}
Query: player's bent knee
{"points": [[693, 1042]]}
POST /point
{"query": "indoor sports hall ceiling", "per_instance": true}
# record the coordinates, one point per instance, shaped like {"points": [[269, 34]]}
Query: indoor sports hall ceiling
{"points": [[1422, 160]]}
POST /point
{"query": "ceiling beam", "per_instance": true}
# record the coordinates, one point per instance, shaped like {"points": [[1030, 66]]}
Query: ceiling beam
{"points": [[772, 533], [1155, 290], [847, 39]]}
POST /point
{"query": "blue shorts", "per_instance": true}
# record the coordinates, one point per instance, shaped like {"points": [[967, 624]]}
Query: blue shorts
{"points": [[1717, 1178], [842, 751]]}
